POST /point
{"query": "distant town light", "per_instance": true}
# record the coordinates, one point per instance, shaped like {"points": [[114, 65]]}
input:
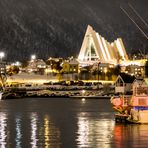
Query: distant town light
{"points": [[33, 57], [17, 63], [83, 91], [83, 99], [2, 54]]}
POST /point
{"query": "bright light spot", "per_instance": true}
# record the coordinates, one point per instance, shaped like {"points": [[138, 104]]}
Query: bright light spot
{"points": [[17, 63], [33, 57], [2, 54], [83, 91], [83, 99]]}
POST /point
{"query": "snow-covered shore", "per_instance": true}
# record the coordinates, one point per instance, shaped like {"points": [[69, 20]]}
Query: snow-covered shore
{"points": [[30, 78]]}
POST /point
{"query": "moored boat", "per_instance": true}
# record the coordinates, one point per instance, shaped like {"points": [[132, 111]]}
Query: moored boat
{"points": [[1, 95], [133, 109]]}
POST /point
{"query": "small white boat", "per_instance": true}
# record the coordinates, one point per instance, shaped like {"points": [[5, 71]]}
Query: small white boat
{"points": [[133, 108], [1, 95]]}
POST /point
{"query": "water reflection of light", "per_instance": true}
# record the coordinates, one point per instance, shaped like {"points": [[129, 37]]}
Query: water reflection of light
{"points": [[94, 132], [18, 132], [46, 133], [83, 100], [3, 126], [34, 140], [83, 131], [51, 134], [131, 134]]}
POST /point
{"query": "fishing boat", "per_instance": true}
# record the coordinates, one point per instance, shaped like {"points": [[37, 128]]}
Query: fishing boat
{"points": [[134, 108]]}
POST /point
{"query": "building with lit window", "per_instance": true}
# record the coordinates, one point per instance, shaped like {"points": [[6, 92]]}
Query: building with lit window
{"points": [[36, 66], [70, 66], [2, 67]]}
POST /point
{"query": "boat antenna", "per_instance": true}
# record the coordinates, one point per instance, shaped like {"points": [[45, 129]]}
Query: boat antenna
{"points": [[134, 22], [138, 15]]}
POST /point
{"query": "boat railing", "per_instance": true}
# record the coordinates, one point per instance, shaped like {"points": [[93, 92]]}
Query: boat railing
{"points": [[139, 100], [123, 100], [126, 100]]}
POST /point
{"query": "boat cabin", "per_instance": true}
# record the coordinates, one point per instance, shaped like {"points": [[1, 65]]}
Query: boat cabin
{"points": [[140, 93], [123, 84]]}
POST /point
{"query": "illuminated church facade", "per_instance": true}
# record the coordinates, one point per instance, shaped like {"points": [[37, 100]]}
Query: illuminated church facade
{"points": [[96, 48]]}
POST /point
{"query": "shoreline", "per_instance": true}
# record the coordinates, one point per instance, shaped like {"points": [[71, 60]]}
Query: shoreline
{"points": [[73, 94], [59, 90]]}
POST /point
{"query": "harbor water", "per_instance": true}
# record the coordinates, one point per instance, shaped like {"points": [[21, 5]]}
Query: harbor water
{"points": [[66, 123]]}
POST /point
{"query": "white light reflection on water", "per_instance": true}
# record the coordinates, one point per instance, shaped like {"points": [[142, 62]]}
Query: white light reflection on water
{"points": [[94, 132], [3, 126], [18, 132], [34, 139]]}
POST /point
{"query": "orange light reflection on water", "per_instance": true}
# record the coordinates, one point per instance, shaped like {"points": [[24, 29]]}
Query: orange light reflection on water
{"points": [[46, 131], [51, 133], [133, 134]]}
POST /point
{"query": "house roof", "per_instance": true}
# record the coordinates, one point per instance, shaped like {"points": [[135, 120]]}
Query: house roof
{"points": [[127, 78]]}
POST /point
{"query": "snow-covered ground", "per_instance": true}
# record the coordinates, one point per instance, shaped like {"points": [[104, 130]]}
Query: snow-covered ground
{"points": [[40, 79], [30, 78]]}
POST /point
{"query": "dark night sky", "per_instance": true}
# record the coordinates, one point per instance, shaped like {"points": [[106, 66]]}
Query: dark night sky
{"points": [[56, 27]]}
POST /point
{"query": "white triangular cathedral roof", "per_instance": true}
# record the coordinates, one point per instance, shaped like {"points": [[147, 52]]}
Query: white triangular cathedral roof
{"points": [[95, 47]]}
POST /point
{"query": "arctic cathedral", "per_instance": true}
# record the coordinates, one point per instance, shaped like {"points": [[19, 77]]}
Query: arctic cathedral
{"points": [[96, 48]]}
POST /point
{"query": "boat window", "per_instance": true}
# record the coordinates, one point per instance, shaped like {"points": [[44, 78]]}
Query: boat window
{"points": [[142, 91], [142, 102]]}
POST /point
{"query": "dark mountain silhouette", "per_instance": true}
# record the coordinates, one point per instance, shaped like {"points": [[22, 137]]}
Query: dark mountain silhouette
{"points": [[56, 27]]}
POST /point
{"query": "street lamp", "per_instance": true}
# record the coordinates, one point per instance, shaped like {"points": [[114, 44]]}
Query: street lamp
{"points": [[17, 63], [33, 57], [83, 92], [2, 54]]}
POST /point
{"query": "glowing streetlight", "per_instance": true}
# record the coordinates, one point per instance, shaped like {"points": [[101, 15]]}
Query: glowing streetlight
{"points": [[33, 57], [17, 63], [83, 92], [2, 54], [83, 100]]}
